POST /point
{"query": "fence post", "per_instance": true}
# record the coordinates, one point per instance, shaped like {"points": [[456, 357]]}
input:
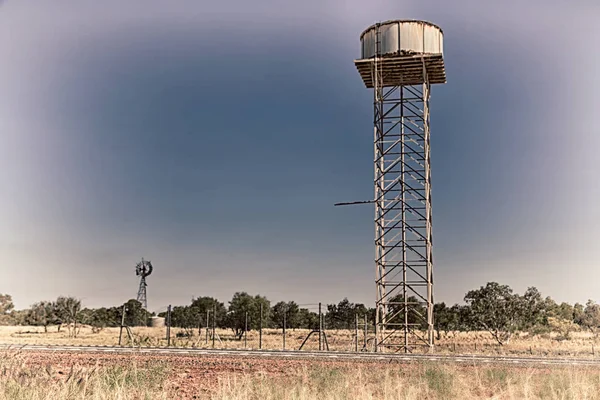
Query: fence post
{"points": [[207, 316], [320, 327], [122, 324], [284, 321], [260, 327], [355, 332], [169, 326], [246, 332], [366, 332], [376, 337], [214, 323], [200, 325]]}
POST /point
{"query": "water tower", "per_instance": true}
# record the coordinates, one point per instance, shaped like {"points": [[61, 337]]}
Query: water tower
{"points": [[400, 61]]}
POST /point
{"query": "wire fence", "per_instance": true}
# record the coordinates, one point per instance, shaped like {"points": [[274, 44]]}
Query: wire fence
{"points": [[313, 333]]}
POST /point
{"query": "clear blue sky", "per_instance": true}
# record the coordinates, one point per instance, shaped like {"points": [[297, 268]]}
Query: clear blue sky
{"points": [[214, 137]]}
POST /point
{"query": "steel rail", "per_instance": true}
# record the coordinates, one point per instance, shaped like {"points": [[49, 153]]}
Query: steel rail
{"points": [[331, 355]]}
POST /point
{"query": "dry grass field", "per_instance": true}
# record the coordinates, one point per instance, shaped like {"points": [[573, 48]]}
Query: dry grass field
{"points": [[581, 344], [25, 375], [37, 376]]}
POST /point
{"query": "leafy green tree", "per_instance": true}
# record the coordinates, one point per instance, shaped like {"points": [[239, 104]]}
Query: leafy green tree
{"points": [[562, 326], [6, 309], [551, 309], [18, 317], [535, 309], [464, 322], [6, 304], [41, 314], [194, 315], [308, 319], [578, 311], [371, 316], [100, 318], [565, 311], [293, 315], [185, 317], [85, 316], [135, 314], [340, 316], [360, 309], [496, 309], [591, 317], [266, 306], [199, 307], [278, 311], [343, 315], [445, 318], [241, 303], [66, 309], [417, 312]]}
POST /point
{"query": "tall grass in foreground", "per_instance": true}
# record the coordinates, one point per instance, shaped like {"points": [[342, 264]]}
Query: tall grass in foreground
{"points": [[323, 382], [426, 381], [20, 382]]}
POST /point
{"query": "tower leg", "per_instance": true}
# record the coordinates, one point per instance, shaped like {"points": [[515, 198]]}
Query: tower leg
{"points": [[141, 296]]}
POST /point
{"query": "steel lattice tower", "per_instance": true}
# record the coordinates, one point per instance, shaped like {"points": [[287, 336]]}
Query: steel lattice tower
{"points": [[143, 269], [401, 59]]}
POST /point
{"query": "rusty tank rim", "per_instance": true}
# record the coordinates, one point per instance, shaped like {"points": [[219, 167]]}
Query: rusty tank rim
{"points": [[394, 21]]}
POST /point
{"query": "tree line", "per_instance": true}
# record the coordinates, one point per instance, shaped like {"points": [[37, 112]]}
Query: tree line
{"points": [[494, 308], [67, 311]]}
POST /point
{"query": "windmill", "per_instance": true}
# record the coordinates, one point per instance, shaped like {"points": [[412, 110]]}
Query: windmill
{"points": [[143, 269]]}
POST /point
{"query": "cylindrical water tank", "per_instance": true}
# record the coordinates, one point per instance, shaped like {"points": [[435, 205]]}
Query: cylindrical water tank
{"points": [[157, 322], [402, 37]]}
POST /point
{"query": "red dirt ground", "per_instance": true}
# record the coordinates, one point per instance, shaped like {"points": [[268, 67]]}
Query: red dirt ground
{"points": [[191, 377]]}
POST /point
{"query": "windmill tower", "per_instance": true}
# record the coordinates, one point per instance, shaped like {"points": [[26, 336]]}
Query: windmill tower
{"points": [[143, 269]]}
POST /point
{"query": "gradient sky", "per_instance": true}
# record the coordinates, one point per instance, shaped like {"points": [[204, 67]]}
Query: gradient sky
{"points": [[214, 137]]}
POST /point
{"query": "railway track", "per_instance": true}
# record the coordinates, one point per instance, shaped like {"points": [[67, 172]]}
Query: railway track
{"points": [[290, 354]]}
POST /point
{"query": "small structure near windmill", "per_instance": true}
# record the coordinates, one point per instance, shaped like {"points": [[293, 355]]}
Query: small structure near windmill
{"points": [[157, 322], [143, 269]]}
